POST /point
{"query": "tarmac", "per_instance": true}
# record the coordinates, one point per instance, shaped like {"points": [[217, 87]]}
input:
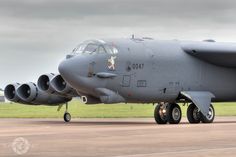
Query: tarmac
{"points": [[136, 137]]}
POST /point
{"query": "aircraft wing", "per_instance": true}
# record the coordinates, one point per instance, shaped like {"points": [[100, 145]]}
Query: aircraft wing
{"points": [[221, 54]]}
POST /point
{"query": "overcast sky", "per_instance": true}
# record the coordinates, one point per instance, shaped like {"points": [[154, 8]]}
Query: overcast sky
{"points": [[35, 35]]}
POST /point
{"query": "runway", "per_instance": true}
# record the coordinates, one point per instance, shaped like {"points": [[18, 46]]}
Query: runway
{"points": [[116, 138]]}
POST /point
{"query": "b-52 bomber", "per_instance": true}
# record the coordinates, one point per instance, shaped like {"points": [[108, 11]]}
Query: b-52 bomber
{"points": [[140, 70]]}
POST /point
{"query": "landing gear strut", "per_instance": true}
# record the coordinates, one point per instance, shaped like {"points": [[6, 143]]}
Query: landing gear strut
{"points": [[165, 112], [67, 116]]}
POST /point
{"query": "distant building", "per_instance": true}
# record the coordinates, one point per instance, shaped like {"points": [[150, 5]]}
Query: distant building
{"points": [[2, 97]]}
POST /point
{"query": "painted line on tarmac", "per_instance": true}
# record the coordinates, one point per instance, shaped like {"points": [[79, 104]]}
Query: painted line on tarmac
{"points": [[178, 152]]}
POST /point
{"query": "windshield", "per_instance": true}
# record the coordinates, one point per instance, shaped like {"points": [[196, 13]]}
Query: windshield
{"points": [[94, 47], [91, 48]]}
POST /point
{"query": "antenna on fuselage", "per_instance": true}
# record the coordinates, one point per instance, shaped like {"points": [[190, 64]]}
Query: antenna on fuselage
{"points": [[132, 37]]}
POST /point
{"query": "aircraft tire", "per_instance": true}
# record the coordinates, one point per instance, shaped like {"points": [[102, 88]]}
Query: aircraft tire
{"points": [[174, 113], [67, 117], [210, 117], [193, 115], [159, 116]]}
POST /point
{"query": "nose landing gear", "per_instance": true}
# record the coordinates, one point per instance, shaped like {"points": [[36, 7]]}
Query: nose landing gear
{"points": [[67, 116]]}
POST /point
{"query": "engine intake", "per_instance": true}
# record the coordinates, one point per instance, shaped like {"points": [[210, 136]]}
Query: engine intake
{"points": [[29, 92], [11, 94], [44, 83], [61, 86]]}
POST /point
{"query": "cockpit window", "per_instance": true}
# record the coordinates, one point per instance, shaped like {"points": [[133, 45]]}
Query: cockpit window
{"points": [[114, 50], [111, 49], [101, 49], [95, 47], [79, 49], [91, 48]]}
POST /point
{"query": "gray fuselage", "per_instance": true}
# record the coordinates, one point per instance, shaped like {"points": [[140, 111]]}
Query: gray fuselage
{"points": [[147, 71]]}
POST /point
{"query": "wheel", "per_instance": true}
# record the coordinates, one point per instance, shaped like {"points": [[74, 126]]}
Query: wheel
{"points": [[210, 116], [193, 114], [160, 114], [174, 113], [67, 117]]}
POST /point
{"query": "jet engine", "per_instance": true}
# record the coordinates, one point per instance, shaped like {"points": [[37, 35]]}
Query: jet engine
{"points": [[62, 87], [11, 94], [29, 92], [44, 83]]}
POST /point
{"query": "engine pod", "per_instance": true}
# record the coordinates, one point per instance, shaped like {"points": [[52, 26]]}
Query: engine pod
{"points": [[10, 92], [30, 93], [62, 87], [44, 83]]}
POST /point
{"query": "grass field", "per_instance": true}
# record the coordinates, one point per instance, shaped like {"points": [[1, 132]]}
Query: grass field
{"points": [[78, 109]]}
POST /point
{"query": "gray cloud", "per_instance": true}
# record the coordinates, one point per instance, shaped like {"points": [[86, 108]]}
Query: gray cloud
{"points": [[36, 35], [71, 9]]}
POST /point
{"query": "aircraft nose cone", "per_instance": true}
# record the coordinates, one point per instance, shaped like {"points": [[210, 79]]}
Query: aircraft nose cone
{"points": [[64, 68], [75, 72], [69, 69]]}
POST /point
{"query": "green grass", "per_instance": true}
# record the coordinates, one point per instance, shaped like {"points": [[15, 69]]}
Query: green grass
{"points": [[78, 109]]}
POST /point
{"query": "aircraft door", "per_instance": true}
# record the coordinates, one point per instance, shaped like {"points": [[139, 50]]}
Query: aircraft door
{"points": [[126, 81], [91, 69]]}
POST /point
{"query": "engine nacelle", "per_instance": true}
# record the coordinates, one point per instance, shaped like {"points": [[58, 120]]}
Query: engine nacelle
{"points": [[44, 83], [29, 92], [62, 87], [90, 100], [11, 94]]}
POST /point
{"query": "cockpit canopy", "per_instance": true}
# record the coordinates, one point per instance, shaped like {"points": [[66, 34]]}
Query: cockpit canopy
{"points": [[95, 47]]}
